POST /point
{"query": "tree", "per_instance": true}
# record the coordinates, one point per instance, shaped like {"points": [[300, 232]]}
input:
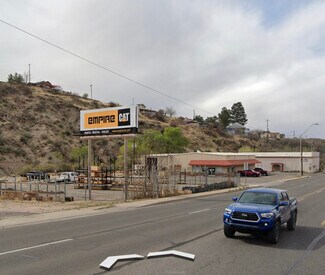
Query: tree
{"points": [[79, 152], [160, 115], [16, 79], [238, 114], [155, 142], [170, 111], [224, 117], [198, 119], [85, 95], [173, 140], [211, 120]]}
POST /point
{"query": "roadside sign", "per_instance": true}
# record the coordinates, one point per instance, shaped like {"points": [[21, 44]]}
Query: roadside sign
{"points": [[109, 121]]}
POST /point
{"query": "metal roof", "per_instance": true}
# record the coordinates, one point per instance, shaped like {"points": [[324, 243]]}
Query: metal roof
{"points": [[222, 163]]}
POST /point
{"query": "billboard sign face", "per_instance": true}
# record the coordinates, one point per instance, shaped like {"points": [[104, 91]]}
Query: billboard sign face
{"points": [[109, 121]]}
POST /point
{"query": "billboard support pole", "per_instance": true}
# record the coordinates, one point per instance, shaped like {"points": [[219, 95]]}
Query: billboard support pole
{"points": [[126, 175], [89, 168]]}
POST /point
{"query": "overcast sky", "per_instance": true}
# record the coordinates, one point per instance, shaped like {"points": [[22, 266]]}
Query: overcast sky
{"points": [[269, 55]]}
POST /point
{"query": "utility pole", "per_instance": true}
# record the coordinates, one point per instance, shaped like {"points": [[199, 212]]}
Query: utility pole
{"points": [[28, 73], [91, 91], [301, 148], [267, 130], [126, 172], [89, 182]]}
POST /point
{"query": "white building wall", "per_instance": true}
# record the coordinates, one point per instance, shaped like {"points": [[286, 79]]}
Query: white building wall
{"points": [[182, 160], [290, 160]]}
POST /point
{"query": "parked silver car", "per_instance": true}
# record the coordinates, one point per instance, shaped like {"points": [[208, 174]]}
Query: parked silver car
{"points": [[68, 176]]}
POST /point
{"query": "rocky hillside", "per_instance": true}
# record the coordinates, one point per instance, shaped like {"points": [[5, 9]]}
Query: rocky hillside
{"points": [[38, 130]]}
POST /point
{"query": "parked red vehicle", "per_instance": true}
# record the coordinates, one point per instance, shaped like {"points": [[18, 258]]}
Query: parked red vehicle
{"points": [[249, 173]]}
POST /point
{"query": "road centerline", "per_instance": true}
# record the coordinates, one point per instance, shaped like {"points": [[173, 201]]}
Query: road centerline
{"points": [[33, 247], [199, 211]]}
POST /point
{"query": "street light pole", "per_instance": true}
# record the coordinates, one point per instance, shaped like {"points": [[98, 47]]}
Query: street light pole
{"points": [[301, 162]]}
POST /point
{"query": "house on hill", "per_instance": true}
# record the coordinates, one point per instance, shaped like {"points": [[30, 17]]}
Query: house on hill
{"points": [[147, 112], [236, 129], [43, 84], [271, 135]]}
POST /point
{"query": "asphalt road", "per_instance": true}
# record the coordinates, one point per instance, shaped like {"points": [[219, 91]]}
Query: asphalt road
{"points": [[78, 246]]}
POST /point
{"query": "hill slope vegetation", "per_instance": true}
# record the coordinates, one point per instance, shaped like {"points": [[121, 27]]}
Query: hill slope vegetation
{"points": [[39, 130]]}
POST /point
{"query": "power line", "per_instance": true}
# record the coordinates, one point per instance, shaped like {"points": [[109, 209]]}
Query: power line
{"points": [[104, 68]]}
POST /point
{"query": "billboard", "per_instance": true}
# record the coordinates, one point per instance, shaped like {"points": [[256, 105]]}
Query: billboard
{"points": [[109, 121]]}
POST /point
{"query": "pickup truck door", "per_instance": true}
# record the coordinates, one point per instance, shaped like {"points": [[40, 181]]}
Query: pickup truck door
{"points": [[284, 210]]}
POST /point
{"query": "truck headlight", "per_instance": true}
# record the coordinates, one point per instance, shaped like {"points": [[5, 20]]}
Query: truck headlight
{"points": [[227, 211], [267, 215]]}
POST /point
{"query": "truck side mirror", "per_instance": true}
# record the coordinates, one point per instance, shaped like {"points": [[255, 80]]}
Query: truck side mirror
{"points": [[234, 199], [284, 203]]}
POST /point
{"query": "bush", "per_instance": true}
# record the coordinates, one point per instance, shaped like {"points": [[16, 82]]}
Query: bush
{"points": [[173, 123], [2, 140], [5, 149], [25, 137], [16, 79], [160, 115], [19, 152]]}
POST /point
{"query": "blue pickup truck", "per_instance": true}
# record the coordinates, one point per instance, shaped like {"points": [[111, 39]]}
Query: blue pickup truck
{"points": [[261, 210]]}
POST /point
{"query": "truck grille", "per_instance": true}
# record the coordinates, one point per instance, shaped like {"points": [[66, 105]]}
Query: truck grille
{"points": [[246, 216]]}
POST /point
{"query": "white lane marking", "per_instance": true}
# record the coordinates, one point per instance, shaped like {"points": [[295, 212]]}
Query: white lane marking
{"points": [[110, 261], [35, 246], [312, 193], [301, 199], [199, 211], [171, 252]]}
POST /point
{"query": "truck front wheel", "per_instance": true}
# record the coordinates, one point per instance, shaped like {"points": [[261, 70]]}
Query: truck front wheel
{"points": [[229, 233], [273, 235]]}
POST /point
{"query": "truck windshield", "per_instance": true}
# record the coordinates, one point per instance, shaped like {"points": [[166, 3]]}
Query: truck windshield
{"points": [[258, 198]]}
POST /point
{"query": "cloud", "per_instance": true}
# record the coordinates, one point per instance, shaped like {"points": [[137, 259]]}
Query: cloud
{"points": [[210, 54]]}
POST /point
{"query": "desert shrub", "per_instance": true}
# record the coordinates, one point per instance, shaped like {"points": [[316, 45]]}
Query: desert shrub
{"points": [[65, 133], [173, 123], [102, 142], [95, 105], [160, 115], [113, 104], [56, 146], [19, 152], [2, 140], [25, 137], [5, 149]]}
